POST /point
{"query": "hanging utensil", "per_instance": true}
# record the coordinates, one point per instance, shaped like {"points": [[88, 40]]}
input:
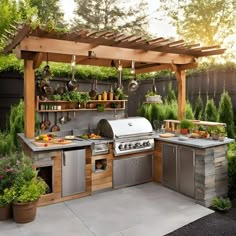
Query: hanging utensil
{"points": [[47, 121], [62, 119], [133, 85], [120, 75], [154, 88], [68, 119], [73, 84], [55, 127], [42, 124], [93, 93]]}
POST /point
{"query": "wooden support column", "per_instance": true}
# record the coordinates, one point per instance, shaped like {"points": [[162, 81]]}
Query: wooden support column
{"points": [[29, 98], [181, 84]]}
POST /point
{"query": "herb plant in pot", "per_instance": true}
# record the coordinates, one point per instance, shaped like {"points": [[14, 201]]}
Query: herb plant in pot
{"points": [[26, 191], [5, 204], [185, 126]]}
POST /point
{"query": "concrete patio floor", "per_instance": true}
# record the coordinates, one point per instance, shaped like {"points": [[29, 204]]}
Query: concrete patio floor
{"points": [[144, 210]]}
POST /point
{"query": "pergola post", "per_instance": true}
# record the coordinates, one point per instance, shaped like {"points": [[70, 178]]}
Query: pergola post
{"points": [[29, 99], [181, 84]]}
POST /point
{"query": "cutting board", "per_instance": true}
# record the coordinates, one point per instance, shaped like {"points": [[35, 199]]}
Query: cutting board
{"points": [[167, 135], [50, 143]]}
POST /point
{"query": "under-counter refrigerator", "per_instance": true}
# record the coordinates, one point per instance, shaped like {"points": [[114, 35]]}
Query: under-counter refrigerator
{"points": [[73, 172]]}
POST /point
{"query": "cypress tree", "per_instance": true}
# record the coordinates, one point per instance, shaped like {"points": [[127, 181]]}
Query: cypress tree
{"points": [[199, 108], [226, 114], [211, 111]]}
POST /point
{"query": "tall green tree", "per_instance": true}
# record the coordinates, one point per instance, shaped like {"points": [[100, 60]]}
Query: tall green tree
{"points": [[48, 11], [199, 108], [226, 114], [211, 111], [205, 21], [111, 15]]}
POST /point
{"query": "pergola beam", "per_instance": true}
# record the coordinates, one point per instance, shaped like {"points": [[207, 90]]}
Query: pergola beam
{"points": [[46, 45]]}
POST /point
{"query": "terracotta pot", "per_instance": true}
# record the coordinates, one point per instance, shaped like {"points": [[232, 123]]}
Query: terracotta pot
{"points": [[5, 212], [184, 131], [24, 212]]}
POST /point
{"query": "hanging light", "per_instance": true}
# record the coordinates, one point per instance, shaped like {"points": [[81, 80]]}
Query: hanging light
{"points": [[119, 66], [132, 71]]}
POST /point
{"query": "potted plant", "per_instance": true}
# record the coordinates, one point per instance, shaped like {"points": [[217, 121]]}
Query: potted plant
{"points": [[84, 98], [6, 199], [25, 190], [100, 107], [26, 198], [153, 97], [221, 204], [218, 133], [185, 126]]}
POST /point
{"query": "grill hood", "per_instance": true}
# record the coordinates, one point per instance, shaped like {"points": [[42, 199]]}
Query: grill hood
{"points": [[127, 127]]}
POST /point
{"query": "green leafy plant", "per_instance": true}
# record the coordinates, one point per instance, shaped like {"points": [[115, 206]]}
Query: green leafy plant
{"points": [[6, 197], [84, 97], [100, 107], [114, 104], [72, 96], [150, 93], [221, 203], [56, 97], [186, 124], [30, 191], [231, 157]]}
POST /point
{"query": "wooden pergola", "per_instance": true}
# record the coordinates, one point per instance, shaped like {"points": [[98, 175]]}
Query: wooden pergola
{"points": [[100, 48]]}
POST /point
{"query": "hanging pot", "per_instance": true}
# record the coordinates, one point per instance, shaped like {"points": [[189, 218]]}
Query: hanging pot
{"points": [[55, 127], [73, 84], [133, 85], [93, 92], [46, 70]]}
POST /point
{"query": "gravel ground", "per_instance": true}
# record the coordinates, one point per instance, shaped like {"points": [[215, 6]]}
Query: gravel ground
{"points": [[214, 224]]}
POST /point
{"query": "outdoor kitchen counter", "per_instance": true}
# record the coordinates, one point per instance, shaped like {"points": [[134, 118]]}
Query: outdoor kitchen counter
{"points": [[57, 147], [195, 142]]}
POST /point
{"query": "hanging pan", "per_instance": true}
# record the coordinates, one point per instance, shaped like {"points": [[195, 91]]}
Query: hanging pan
{"points": [[133, 85], [73, 84]]}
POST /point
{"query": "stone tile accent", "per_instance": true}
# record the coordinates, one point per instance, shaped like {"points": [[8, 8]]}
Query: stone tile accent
{"points": [[211, 174]]}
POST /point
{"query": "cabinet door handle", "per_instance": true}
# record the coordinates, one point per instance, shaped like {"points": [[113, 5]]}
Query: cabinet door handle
{"points": [[64, 159]]}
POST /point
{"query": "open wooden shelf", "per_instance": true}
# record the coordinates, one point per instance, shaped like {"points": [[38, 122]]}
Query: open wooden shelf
{"points": [[74, 107]]}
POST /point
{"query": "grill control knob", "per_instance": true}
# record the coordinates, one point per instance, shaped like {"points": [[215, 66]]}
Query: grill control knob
{"points": [[120, 146], [126, 146], [148, 143]]}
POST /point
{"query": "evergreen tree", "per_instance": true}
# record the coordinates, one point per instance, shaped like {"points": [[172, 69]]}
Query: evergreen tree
{"points": [[210, 111], [48, 11], [199, 108], [111, 15], [170, 93], [226, 114]]}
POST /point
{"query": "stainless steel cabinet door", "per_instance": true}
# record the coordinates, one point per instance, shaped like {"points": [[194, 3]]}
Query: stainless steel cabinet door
{"points": [[186, 159], [143, 169], [123, 172], [169, 160], [73, 172]]}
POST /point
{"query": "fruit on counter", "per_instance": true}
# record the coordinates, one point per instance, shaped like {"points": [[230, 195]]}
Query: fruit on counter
{"points": [[45, 137], [94, 136], [87, 136], [84, 136]]}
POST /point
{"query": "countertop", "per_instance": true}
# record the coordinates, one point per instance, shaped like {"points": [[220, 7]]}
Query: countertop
{"points": [[74, 144], [195, 142]]}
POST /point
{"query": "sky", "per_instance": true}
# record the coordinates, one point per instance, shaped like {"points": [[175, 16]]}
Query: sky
{"points": [[157, 28]]}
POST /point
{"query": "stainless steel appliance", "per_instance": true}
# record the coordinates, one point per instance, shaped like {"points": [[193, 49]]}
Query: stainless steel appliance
{"points": [[178, 168], [131, 136], [73, 172]]}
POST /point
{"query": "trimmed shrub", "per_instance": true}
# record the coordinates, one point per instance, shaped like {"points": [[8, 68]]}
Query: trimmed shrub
{"points": [[210, 111], [226, 114], [199, 108]]}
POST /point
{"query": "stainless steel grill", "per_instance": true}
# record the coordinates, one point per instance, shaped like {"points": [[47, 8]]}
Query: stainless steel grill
{"points": [[130, 135]]}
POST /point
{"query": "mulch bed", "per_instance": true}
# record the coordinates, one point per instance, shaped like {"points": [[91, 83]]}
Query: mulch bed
{"points": [[215, 224]]}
